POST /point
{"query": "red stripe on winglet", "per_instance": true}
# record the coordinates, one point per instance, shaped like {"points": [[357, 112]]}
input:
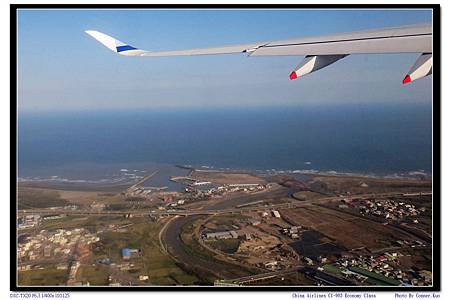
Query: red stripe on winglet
{"points": [[293, 76], [407, 79]]}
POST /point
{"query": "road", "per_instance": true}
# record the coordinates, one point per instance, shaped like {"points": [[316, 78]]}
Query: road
{"points": [[225, 206]]}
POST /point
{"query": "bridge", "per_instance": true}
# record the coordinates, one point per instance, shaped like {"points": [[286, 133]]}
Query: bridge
{"points": [[176, 178]]}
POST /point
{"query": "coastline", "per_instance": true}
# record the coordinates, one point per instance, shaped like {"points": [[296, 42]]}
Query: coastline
{"points": [[127, 179]]}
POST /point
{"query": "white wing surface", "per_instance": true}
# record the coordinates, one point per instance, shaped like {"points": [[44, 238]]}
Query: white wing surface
{"points": [[319, 51]]}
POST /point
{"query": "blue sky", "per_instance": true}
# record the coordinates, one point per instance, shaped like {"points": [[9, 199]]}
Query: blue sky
{"points": [[61, 68]]}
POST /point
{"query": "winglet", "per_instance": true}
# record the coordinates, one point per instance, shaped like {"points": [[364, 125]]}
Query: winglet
{"points": [[113, 44]]}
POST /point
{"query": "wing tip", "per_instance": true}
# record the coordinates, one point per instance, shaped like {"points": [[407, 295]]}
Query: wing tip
{"points": [[113, 44], [92, 33], [106, 40]]}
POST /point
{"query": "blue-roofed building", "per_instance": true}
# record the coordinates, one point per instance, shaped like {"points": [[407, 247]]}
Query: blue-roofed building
{"points": [[125, 253]]}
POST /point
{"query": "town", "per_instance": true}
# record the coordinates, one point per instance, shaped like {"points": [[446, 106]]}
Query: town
{"points": [[282, 229]]}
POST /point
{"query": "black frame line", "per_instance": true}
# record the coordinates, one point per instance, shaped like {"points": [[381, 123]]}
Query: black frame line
{"points": [[436, 167]]}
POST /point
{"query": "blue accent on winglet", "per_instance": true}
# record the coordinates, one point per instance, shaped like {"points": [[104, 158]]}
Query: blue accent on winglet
{"points": [[125, 48]]}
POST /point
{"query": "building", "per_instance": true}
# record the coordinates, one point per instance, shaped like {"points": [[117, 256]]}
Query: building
{"points": [[126, 253], [62, 266], [53, 217], [47, 251], [222, 235], [271, 265], [244, 185], [308, 260], [254, 222], [276, 214], [202, 183], [143, 277], [98, 206]]}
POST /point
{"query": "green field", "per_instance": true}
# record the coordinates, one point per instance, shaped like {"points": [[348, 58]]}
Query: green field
{"points": [[95, 275], [91, 223], [332, 269], [48, 276], [143, 234], [39, 198], [229, 246], [375, 278]]}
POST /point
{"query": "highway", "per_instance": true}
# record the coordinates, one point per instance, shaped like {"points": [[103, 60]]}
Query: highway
{"points": [[223, 207], [156, 213]]}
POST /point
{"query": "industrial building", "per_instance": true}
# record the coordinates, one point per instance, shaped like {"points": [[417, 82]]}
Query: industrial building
{"points": [[128, 253], [221, 235], [276, 213]]}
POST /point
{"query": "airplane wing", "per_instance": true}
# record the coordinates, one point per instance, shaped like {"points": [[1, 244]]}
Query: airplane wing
{"points": [[319, 51]]}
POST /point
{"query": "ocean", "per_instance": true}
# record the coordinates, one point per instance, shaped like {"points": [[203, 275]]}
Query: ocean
{"points": [[378, 139]]}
